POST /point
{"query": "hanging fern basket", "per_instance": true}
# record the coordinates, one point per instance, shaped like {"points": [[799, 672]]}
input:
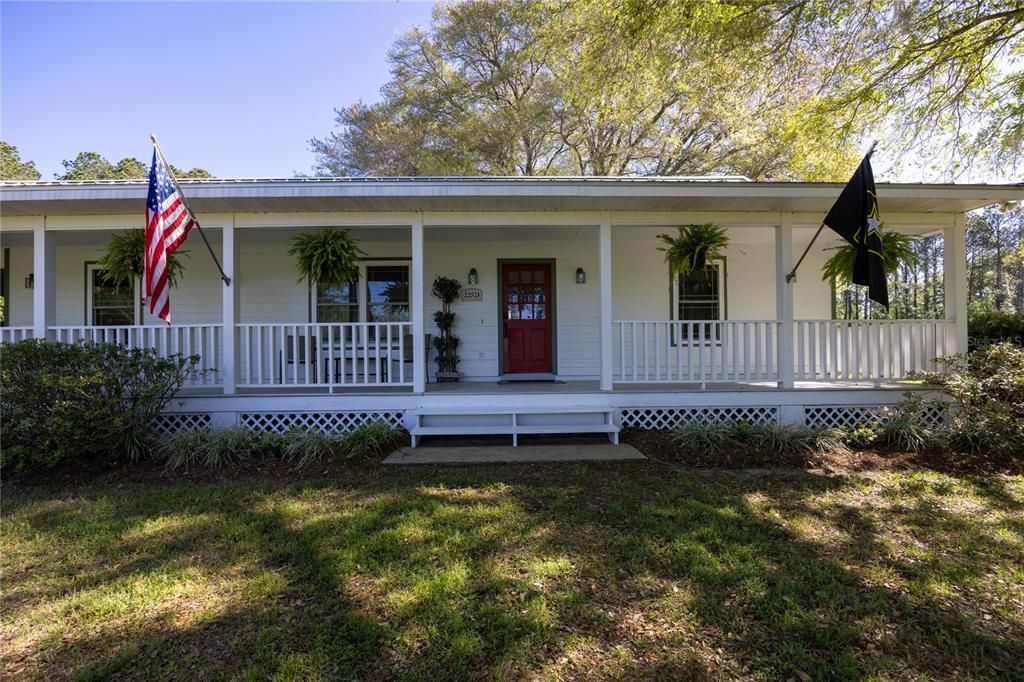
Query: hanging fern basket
{"points": [[123, 259], [331, 255], [690, 249], [897, 250]]}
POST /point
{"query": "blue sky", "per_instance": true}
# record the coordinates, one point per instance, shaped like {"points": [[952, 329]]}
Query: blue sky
{"points": [[237, 88]]}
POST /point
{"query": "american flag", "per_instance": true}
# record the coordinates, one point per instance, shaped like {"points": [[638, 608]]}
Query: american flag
{"points": [[168, 222]]}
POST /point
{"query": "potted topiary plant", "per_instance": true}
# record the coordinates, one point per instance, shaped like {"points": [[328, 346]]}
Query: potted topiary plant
{"points": [[897, 250], [446, 343], [693, 246], [331, 255], [123, 260]]}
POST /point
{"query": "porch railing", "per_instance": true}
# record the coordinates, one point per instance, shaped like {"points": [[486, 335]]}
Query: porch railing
{"points": [[15, 334], [670, 351], [323, 354], [204, 340], [740, 351], [869, 350]]}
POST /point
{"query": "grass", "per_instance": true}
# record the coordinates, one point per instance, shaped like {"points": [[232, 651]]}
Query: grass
{"points": [[561, 572]]}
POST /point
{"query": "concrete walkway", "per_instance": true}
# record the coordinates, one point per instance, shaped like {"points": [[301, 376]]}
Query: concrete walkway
{"points": [[500, 454]]}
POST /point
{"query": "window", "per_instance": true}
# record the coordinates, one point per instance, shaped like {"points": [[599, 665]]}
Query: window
{"points": [[383, 296], [387, 293], [108, 305], [337, 303], [698, 296]]}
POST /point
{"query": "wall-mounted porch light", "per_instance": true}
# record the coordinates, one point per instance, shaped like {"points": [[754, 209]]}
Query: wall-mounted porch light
{"points": [[581, 277], [30, 281], [472, 277]]}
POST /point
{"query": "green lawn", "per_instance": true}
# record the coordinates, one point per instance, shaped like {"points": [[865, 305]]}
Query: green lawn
{"points": [[561, 572]]}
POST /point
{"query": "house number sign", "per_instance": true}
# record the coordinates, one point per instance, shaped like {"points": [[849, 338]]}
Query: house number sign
{"points": [[472, 294]]}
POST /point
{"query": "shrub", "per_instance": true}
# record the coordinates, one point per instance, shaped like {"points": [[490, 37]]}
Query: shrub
{"points": [[81, 402], [986, 329], [862, 437], [987, 390], [371, 440]]}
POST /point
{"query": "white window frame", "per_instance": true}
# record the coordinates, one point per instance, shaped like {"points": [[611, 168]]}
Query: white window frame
{"points": [[90, 269], [722, 296], [362, 301]]}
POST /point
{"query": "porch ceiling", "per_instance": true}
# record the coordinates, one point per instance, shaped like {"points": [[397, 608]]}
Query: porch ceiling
{"points": [[489, 194]]}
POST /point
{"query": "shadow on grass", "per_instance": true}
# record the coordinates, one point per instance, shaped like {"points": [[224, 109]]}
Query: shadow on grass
{"points": [[584, 571]]}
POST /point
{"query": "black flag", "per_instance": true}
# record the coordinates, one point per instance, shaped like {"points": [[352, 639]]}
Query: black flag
{"points": [[855, 217]]}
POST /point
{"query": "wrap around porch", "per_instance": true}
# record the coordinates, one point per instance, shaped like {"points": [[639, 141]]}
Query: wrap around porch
{"points": [[607, 337]]}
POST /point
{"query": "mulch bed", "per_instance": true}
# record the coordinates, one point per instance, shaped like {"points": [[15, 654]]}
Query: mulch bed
{"points": [[658, 445]]}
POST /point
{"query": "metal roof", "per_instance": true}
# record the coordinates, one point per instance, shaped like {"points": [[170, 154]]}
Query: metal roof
{"points": [[519, 193]]}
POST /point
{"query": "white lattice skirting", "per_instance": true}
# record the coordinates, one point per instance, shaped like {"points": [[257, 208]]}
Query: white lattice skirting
{"points": [[854, 416], [667, 418], [177, 422], [279, 422]]}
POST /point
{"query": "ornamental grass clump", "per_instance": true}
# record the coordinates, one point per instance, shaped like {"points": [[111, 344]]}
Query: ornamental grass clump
{"points": [[773, 438], [303, 448], [371, 440]]}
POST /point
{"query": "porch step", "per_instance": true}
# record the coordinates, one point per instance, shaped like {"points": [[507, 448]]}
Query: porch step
{"points": [[477, 421]]}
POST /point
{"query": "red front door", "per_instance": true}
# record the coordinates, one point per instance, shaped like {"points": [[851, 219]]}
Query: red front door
{"points": [[526, 292]]}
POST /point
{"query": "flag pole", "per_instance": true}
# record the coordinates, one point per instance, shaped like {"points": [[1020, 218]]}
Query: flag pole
{"points": [[792, 275], [184, 200]]}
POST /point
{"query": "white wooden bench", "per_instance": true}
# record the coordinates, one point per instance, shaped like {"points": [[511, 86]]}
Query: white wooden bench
{"points": [[455, 421]]}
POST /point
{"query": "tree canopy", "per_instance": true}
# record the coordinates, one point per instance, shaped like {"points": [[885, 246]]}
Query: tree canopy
{"points": [[12, 167], [779, 89], [93, 166]]}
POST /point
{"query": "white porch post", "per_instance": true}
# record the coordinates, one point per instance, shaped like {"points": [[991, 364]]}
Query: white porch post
{"points": [[229, 318], [419, 347], [44, 274], [784, 298], [604, 242], [954, 279]]}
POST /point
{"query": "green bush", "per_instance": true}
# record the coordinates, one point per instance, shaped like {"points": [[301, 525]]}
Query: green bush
{"points": [[987, 391], [987, 329], [81, 402]]}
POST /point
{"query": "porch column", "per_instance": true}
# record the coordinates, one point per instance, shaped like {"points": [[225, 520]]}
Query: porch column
{"points": [[44, 278], [229, 318], [419, 348], [784, 298], [604, 251], [954, 280]]}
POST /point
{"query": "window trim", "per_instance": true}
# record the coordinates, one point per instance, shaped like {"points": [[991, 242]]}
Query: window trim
{"points": [[723, 300], [362, 300], [90, 268]]}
